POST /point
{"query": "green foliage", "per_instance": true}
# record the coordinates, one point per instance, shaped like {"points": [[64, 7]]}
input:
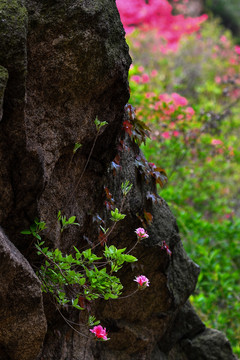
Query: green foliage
{"points": [[126, 187], [116, 215], [80, 278], [35, 229], [229, 12], [99, 124], [197, 141], [92, 321], [64, 222], [76, 147], [117, 258], [70, 277]]}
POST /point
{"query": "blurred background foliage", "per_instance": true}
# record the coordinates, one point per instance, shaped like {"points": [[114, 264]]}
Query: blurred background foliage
{"points": [[190, 98], [228, 11]]}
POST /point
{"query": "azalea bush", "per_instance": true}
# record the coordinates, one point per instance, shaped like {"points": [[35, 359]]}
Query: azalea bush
{"points": [[188, 95], [83, 276], [78, 280]]}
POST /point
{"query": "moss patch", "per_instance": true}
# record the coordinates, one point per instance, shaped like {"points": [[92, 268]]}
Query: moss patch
{"points": [[13, 30], [3, 83]]}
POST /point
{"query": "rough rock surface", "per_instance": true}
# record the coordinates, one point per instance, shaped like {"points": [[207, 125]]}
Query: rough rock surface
{"points": [[22, 319], [64, 63]]}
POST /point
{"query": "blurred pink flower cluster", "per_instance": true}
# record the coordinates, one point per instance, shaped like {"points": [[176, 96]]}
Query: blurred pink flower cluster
{"points": [[157, 14]]}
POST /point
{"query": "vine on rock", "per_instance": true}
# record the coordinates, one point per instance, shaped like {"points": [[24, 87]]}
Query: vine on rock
{"points": [[78, 279]]}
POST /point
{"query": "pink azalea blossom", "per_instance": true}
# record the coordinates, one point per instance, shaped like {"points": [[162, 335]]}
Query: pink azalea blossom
{"points": [[216, 142], [176, 133], [157, 14], [179, 100], [154, 73], [142, 281], [165, 98], [145, 78], [99, 332], [136, 78], [237, 49], [190, 111], [232, 61], [223, 39], [166, 135], [141, 233], [148, 95]]}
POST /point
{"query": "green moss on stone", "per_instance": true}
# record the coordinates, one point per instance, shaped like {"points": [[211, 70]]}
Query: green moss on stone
{"points": [[13, 30], [3, 83]]}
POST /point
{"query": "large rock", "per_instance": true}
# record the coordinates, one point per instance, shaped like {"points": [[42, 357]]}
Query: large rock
{"points": [[67, 63], [22, 320], [208, 345], [3, 83]]}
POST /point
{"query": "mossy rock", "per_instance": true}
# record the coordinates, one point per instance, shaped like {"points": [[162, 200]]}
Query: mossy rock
{"points": [[13, 29], [13, 35], [3, 83]]}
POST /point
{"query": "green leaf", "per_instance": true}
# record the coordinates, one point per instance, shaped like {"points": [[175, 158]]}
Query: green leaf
{"points": [[26, 232], [71, 219], [99, 124], [76, 147], [130, 258], [116, 215], [82, 281]]}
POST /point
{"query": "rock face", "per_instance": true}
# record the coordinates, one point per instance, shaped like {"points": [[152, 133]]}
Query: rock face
{"points": [[22, 319], [62, 64]]}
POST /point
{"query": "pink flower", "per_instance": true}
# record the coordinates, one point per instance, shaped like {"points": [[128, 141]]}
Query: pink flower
{"points": [[237, 49], [180, 116], [157, 14], [232, 61], [179, 100], [145, 78], [154, 73], [149, 95], [223, 39], [141, 233], [166, 135], [99, 332], [136, 78], [190, 111], [142, 281], [165, 98], [216, 142], [176, 133]]}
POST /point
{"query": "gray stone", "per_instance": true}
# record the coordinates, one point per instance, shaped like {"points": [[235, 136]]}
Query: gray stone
{"points": [[185, 324], [22, 319], [3, 83], [208, 345]]}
